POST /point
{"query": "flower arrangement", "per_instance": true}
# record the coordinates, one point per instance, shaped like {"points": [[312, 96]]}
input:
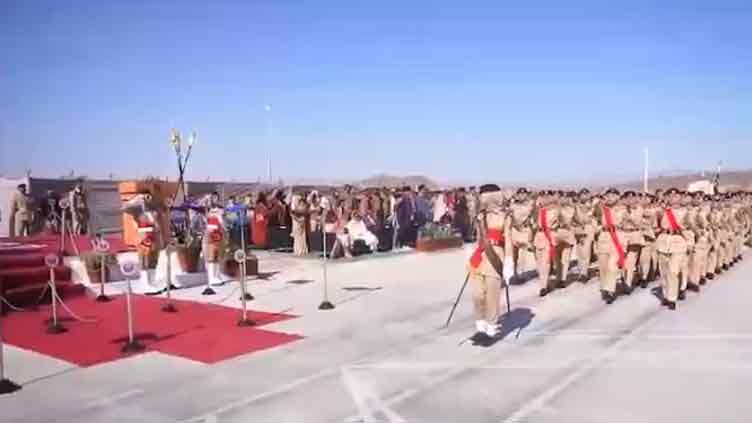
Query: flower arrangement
{"points": [[433, 230]]}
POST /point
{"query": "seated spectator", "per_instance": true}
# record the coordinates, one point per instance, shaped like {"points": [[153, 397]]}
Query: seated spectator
{"points": [[355, 231]]}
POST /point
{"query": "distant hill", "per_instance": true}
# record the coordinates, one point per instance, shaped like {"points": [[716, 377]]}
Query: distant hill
{"points": [[732, 180], [390, 181]]}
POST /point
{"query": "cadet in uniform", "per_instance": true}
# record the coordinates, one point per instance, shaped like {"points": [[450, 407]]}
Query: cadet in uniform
{"points": [[698, 259], [585, 229], [611, 245], [521, 211], [485, 266], [634, 238], [672, 247], [648, 255], [565, 236], [547, 221]]}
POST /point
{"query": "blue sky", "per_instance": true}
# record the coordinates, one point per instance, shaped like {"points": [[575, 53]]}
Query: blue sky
{"points": [[455, 90]]}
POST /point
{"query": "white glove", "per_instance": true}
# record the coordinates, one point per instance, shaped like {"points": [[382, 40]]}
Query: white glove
{"points": [[508, 269]]}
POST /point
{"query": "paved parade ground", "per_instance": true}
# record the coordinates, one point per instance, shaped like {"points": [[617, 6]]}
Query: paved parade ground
{"points": [[384, 355]]}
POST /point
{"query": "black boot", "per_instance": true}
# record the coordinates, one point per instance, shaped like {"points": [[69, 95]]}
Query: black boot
{"points": [[682, 296], [725, 267], [627, 290], [702, 282], [543, 292], [693, 287], [710, 276], [671, 305], [609, 298], [643, 283]]}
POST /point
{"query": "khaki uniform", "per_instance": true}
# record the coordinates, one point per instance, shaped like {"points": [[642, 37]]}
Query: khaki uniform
{"points": [[20, 215], [690, 238], [649, 255], [699, 260], [544, 251], [608, 255], [565, 241], [484, 278], [634, 239], [520, 236], [717, 246], [672, 253], [585, 229]]}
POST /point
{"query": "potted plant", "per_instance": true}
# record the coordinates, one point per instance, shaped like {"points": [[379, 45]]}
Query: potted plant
{"points": [[93, 264], [187, 230]]}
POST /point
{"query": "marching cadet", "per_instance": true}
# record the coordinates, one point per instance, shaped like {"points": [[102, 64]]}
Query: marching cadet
{"points": [[565, 237], [610, 244], [719, 244], [486, 264], [547, 220], [727, 233], [520, 239], [689, 237], [699, 260], [585, 230], [648, 255], [634, 239], [672, 247], [738, 221]]}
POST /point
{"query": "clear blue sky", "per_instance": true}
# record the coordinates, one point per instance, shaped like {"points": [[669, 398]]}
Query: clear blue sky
{"points": [[455, 90]]}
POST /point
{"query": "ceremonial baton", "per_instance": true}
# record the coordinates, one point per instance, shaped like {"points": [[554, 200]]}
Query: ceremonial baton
{"points": [[506, 291], [459, 297]]}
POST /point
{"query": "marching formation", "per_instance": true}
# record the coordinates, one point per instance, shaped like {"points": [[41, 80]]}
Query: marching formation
{"points": [[682, 239]]}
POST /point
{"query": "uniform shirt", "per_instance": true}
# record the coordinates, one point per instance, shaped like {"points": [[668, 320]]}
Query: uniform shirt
{"points": [[618, 216], [634, 218], [567, 215], [21, 206], [520, 213]]}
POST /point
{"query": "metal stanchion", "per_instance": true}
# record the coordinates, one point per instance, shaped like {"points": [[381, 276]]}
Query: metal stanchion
{"points": [[130, 270], [240, 258], [325, 304], [243, 220], [168, 306], [102, 247], [54, 327], [6, 385]]}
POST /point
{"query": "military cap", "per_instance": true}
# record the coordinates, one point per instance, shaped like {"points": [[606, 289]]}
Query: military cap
{"points": [[19, 186], [707, 197], [673, 191], [571, 194], [628, 194], [584, 191], [611, 191], [522, 191], [698, 194], [489, 188]]}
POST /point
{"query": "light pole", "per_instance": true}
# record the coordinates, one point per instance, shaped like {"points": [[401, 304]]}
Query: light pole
{"points": [[267, 130]]}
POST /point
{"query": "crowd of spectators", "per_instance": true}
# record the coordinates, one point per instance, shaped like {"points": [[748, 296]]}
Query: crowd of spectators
{"points": [[355, 221]]}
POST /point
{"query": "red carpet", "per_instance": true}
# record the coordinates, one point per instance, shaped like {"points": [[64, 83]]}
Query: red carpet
{"points": [[200, 332]]}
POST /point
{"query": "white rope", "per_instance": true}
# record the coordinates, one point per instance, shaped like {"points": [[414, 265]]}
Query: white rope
{"points": [[71, 313], [11, 306], [233, 292]]}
